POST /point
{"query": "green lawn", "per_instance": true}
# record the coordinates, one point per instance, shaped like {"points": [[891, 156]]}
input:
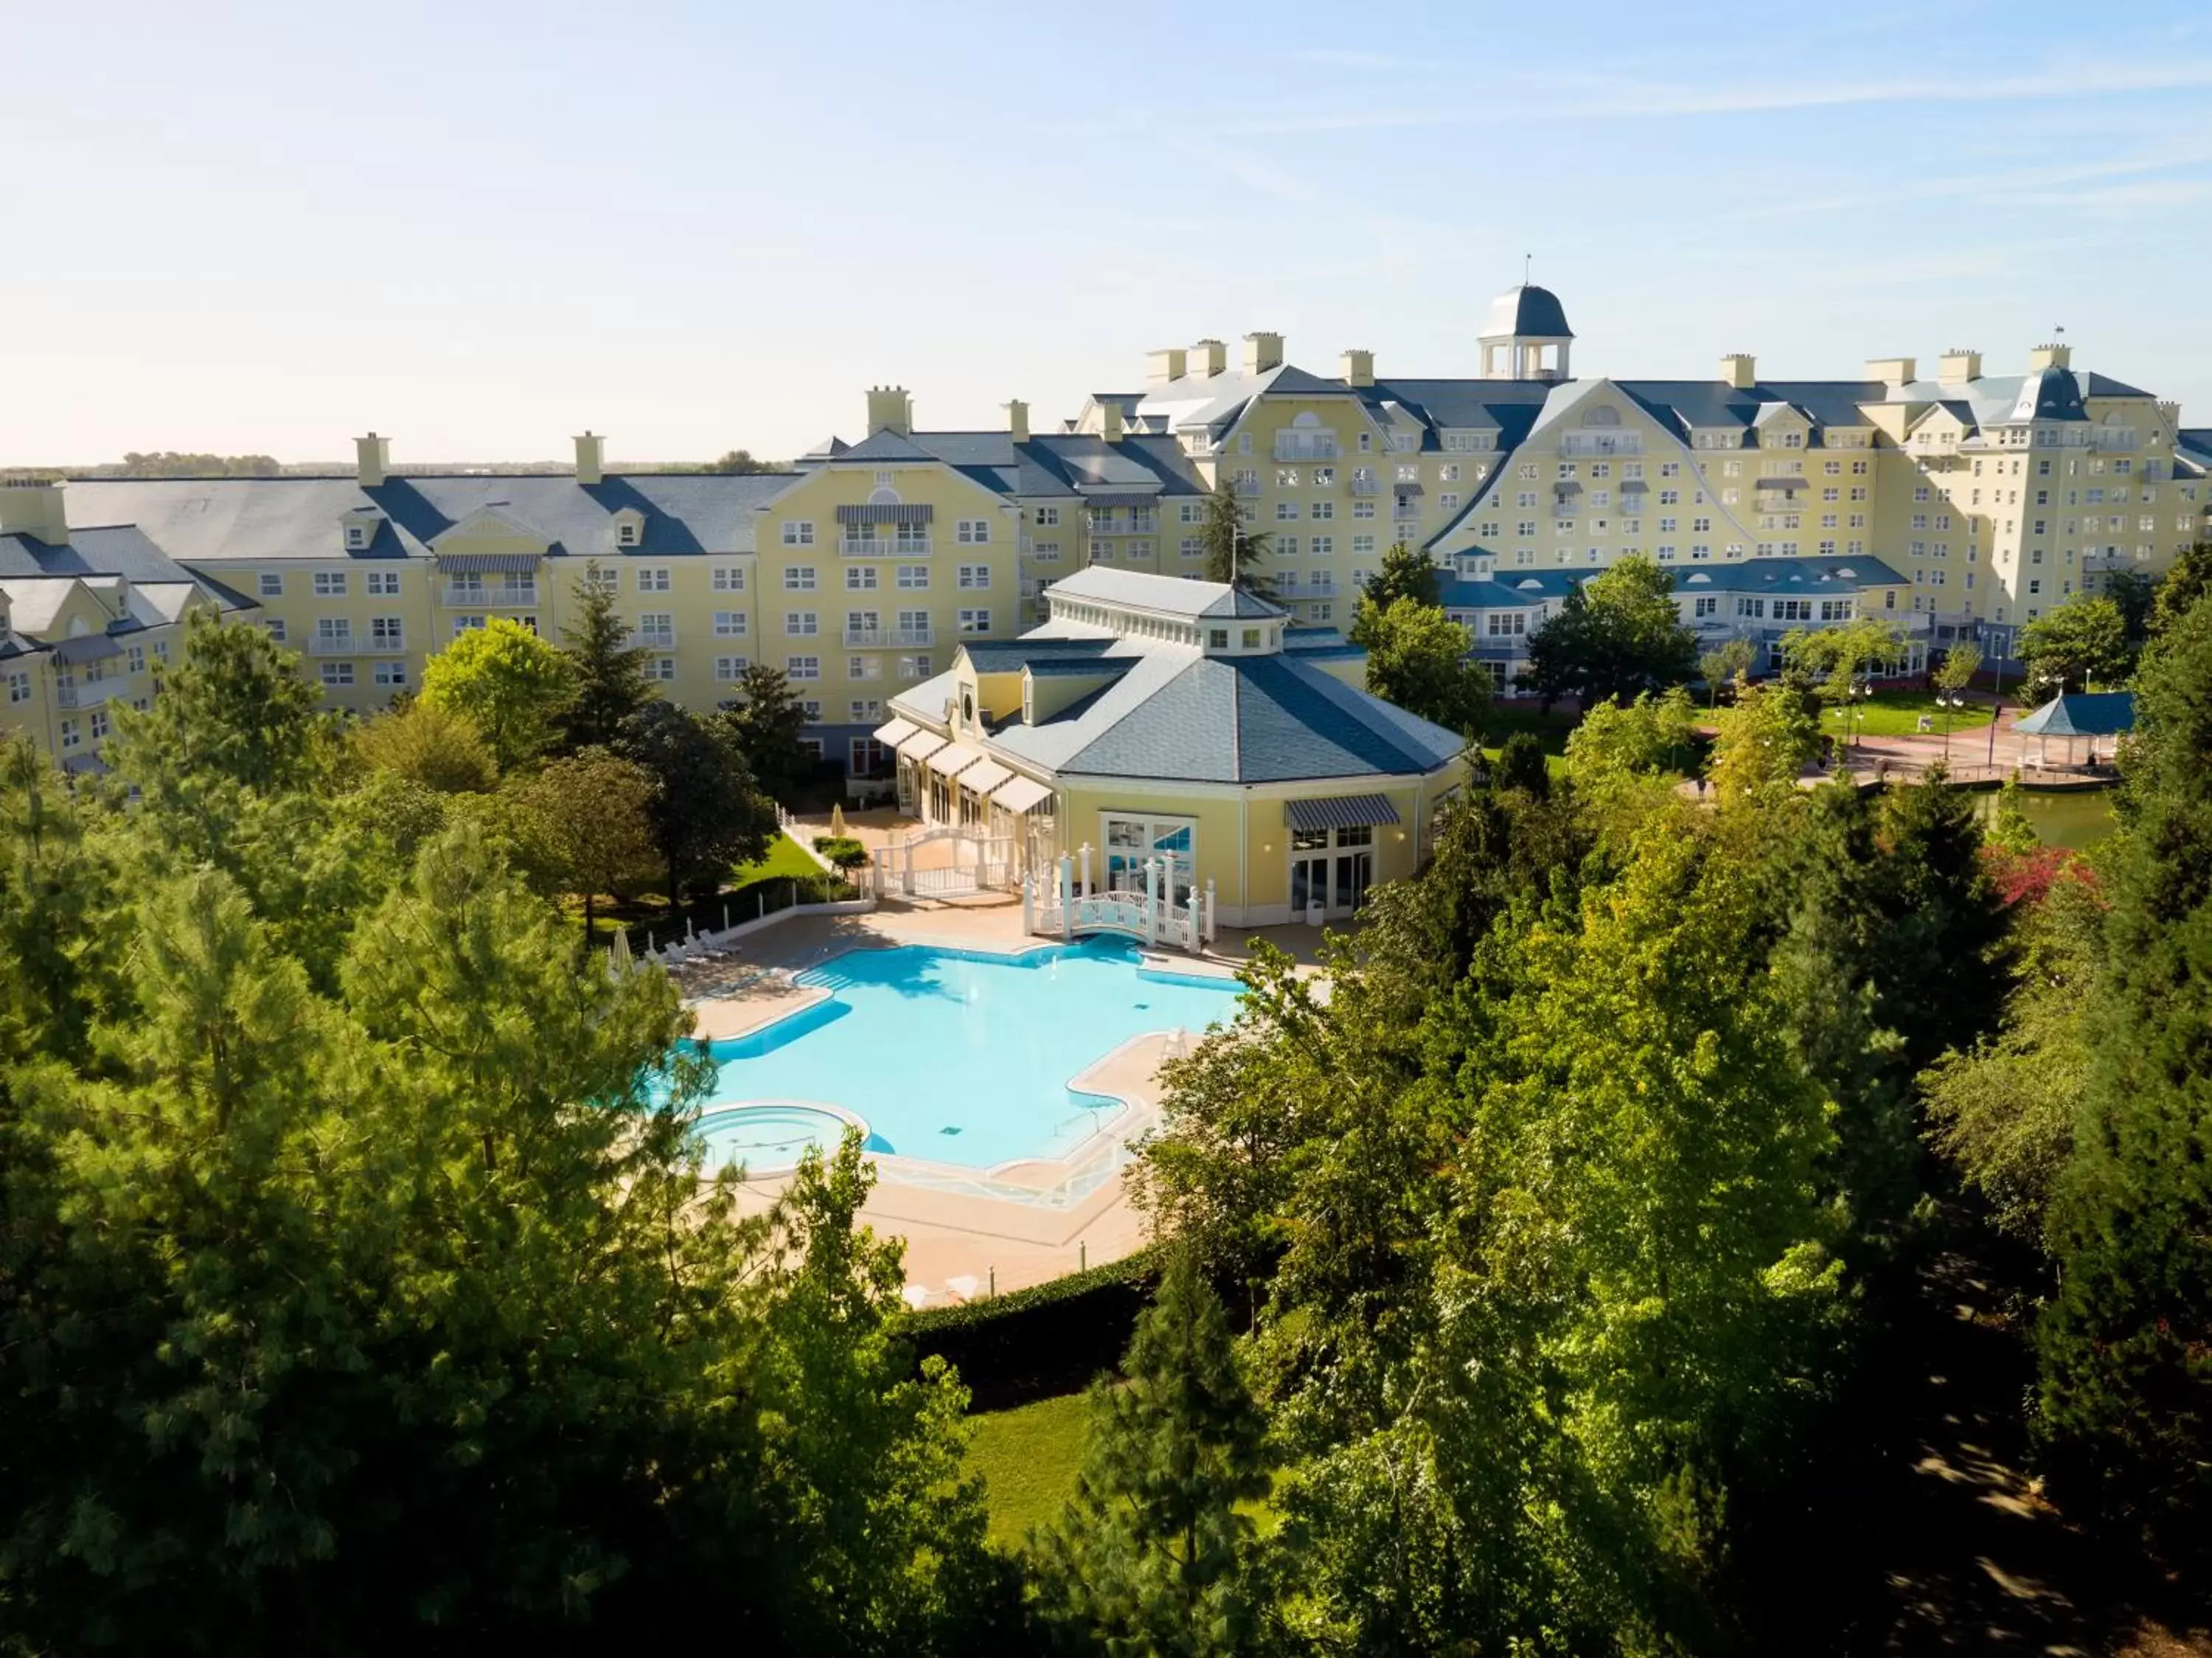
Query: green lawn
{"points": [[786, 857], [1027, 1457], [1897, 714]]}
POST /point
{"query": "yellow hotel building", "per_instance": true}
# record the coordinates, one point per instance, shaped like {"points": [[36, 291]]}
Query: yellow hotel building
{"points": [[1963, 504]]}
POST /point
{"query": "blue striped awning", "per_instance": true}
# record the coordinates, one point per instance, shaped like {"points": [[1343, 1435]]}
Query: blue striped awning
{"points": [[886, 514], [487, 563], [1338, 812]]}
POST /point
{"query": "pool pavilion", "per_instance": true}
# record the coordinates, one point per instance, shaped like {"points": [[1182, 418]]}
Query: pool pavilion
{"points": [[1160, 756]]}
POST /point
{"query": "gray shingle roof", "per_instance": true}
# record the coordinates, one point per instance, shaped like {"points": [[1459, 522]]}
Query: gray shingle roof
{"points": [[1167, 595], [1528, 310], [124, 550], [247, 519]]}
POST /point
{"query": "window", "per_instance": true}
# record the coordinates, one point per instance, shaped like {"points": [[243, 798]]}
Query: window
{"points": [[913, 578], [729, 578], [730, 625], [1191, 547], [975, 621], [19, 687], [272, 584], [387, 633], [1285, 511], [1049, 516], [799, 578], [727, 668], [972, 532], [1363, 545], [596, 578], [864, 709], [383, 583], [1286, 547], [338, 675], [1363, 509], [1506, 624], [653, 578], [629, 533], [656, 627], [914, 668], [802, 668], [662, 668], [1324, 547], [356, 537], [975, 577], [390, 675], [135, 657], [1706, 605], [71, 736], [799, 532], [275, 628], [801, 624]]}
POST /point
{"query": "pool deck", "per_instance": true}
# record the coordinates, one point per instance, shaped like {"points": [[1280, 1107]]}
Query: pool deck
{"points": [[961, 1243]]}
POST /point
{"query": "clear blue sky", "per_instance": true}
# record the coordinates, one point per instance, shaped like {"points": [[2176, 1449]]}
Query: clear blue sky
{"points": [[481, 228]]}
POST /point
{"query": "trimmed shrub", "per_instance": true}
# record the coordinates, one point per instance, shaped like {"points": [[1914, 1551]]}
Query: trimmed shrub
{"points": [[1041, 1341]]}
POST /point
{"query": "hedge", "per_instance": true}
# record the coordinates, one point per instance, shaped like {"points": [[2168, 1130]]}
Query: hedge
{"points": [[1041, 1342]]}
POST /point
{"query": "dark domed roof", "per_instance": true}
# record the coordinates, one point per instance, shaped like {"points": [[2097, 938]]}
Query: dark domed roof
{"points": [[1529, 311]]}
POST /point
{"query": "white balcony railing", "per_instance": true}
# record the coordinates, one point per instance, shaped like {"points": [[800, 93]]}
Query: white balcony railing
{"points": [[877, 546], [1293, 446], [1366, 483], [333, 644], [885, 638], [90, 695], [496, 596], [659, 639]]}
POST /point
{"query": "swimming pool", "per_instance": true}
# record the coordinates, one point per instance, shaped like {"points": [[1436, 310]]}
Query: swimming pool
{"points": [[955, 1056]]}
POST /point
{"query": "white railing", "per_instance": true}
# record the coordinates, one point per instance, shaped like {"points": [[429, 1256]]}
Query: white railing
{"points": [[89, 695], [1290, 447], [1366, 483], [1059, 901], [876, 546], [659, 639], [1611, 443], [331, 645], [880, 637], [504, 596]]}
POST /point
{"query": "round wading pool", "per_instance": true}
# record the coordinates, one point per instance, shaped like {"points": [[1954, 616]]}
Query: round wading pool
{"points": [[768, 1137]]}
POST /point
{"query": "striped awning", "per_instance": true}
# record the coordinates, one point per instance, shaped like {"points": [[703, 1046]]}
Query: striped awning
{"points": [[487, 563], [955, 758], [1406, 489], [1122, 498], [1781, 484], [985, 776], [1338, 812], [889, 513], [895, 733], [921, 746], [1566, 487], [1020, 795], [1633, 486]]}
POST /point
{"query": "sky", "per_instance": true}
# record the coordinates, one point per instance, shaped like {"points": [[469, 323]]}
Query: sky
{"points": [[482, 229]]}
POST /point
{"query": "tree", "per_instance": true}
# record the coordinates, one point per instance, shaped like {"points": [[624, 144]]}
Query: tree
{"points": [[1724, 664], [1622, 759], [608, 671], [233, 711], [1616, 635], [1233, 550], [740, 463], [592, 811], [1951, 677], [764, 720], [1152, 1555], [428, 745], [2077, 645], [1406, 573], [508, 682], [2126, 1384], [1419, 658], [2134, 592], [1765, 739], [2188, 579], [705, 812], [1842, 655]]}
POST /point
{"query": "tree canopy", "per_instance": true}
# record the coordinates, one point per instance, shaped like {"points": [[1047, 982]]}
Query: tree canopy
{"points": [[508, 683], [1617, 634], [704, 811], [764, 720], [2075, 646], [607, 670], [1419, 658]]}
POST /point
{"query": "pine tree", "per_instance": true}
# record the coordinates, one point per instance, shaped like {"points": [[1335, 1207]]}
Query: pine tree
{"points": [[1153, 1556], [1232, 549], [610, 672], [764, 719], [2126, 1346]]}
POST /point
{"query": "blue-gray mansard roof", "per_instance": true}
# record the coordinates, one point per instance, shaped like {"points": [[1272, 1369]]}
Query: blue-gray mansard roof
{"points": [[123, 550], [1818, 577]]}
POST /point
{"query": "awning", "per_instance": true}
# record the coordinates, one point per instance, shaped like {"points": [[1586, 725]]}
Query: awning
{"points": [[1120, 497], [984, 776], [1020, 795], [954, 758], [895, 733], [921, 746], [1406, 489], [1781, 484], [1633, 486], [467, 563], [1338, 812], [87, 648], [1568, 487], [886, 514]]}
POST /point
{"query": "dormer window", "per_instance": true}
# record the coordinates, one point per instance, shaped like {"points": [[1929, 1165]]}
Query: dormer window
{"points": [[360, 528], [356, 538], [629, 527]]}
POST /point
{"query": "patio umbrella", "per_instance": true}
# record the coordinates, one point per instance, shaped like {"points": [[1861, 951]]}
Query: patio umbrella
{"points": [[837, 820], [621, 950]]}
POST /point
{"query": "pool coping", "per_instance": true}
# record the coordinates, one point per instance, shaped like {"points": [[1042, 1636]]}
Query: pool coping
{"points": [[938, 1175]]}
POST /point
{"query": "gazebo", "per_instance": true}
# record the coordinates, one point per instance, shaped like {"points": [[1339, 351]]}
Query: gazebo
{"points": [[2078, 714]]}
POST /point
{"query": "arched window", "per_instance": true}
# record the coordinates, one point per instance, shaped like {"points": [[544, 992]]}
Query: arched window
{"points": [[1603, 417]]}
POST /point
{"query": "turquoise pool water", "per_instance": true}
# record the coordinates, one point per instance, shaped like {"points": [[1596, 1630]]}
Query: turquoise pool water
{"points": [[955, 1055]]}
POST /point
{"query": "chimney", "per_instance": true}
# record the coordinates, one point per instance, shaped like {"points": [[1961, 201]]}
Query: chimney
{"points": [[374, 455], [1741, 370], [1262, 351], [1165, 364], [1957, 367], [33, 507], [1357, 368], [1209, 358], [1893, 371], [1018, 421], [590, 458], [2050, 356], [890, 410], [1109, 421]]}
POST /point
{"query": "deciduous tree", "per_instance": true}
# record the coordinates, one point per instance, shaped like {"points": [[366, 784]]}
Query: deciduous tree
{"points": [[706, 814], [1616, 635], [508, 682], [1418, 657], [2075, 646]]}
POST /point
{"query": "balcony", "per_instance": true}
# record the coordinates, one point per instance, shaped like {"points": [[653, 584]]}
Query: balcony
{"points": [[661, 639], [1366, 483], [355, 644], [89, 695], [1609, 444], [1298, 446], [501, 596], [875, 546], [888, 639]]}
